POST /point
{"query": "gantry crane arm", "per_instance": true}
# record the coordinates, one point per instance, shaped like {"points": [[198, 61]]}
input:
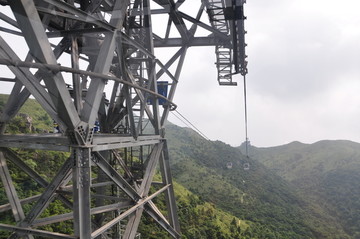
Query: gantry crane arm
{"points": [[228, 17]]}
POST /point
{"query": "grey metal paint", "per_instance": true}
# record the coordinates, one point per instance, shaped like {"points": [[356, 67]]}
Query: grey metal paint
{"points": [[125, 55]]}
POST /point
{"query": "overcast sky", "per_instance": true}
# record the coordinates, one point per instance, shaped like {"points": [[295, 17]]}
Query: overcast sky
{"points": [[303, 82]]}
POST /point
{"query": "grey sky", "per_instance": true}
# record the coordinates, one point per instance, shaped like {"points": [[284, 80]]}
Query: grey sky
{"points": [[303, 81]]}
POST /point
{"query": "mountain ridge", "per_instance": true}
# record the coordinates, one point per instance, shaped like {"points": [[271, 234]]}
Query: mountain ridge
{"points": [[325, 172], [256, 200], [264, 197], [334, 153]]}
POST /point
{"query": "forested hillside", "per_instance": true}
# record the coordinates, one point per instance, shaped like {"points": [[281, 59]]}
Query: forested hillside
{"points": [[326, 173], [252, 193], [222, 194]]}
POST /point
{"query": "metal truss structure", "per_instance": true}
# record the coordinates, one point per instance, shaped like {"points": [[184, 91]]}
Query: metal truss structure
{"points": [[67, 54]]}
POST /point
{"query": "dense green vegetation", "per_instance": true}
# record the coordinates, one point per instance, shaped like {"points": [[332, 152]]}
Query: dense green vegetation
{"points": [[198, 219], [40, 121], [291, 191], [253, 194], [326, 173]]}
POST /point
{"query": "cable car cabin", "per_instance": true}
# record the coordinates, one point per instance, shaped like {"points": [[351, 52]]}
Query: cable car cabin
{"points": [[246, 166], [162, 88]]}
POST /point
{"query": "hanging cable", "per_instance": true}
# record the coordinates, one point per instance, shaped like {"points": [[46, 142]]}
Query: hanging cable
{"points": [[246, 120], [180, 119], [192, 126]]}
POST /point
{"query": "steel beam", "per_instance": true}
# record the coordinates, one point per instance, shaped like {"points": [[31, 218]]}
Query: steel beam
{"points": [[106, 41], [169, 194], [47, 196], [6, 207], [143, 190], [196, 41], [58, 142], [150, 169], [142, 98], [106, 54], [10, 190], [42, 142], [12, 195], [81, 192], [176, 19], [35, 232], [19, 63], [28, 80], [161, 220], [140, 203], [101, 162], [13, 157], [70, 215], [81, 15], [34, 33], [173, 86]]}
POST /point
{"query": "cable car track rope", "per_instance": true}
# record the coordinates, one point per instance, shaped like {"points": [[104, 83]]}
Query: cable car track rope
{"points": [[246, 119], [191, 125]]}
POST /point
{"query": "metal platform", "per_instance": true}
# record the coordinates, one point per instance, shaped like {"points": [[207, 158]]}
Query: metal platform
{"points": [[227, 16]]}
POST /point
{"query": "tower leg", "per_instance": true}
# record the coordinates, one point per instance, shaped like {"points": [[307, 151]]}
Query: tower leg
{"points": [[81, 194], [169, 194]]}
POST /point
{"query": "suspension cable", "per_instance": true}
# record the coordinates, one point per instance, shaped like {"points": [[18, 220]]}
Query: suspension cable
{"points": [[246, 119], [192, 125]]}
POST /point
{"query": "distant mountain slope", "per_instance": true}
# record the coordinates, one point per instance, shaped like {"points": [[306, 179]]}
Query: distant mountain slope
{"points": [[254, 194], [297, 160], [258, 203], [327, 173]]}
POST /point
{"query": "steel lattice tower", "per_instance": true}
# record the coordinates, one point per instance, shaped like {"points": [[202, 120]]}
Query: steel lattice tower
{"points": [[108, 44]]}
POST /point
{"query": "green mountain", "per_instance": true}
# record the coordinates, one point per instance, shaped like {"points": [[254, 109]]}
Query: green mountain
{"points": [[247, 189], [223, 194], [326, 173]]}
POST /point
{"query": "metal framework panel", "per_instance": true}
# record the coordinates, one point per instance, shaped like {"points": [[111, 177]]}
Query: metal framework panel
{"points": [[91, 66]]}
